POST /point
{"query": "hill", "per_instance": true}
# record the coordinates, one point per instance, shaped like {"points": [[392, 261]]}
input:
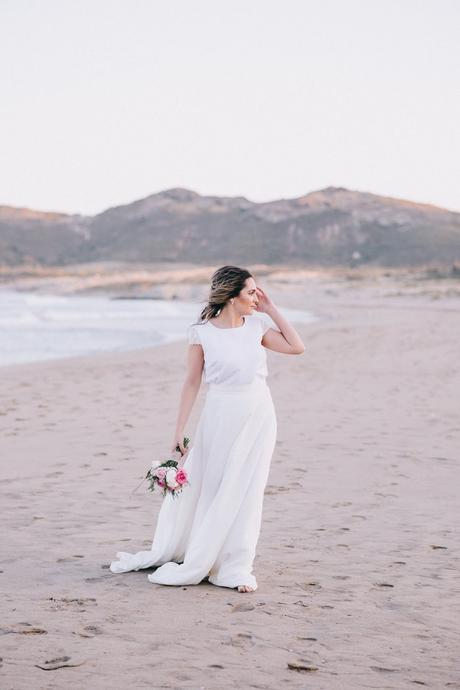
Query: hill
{"points": [[330, 227]]}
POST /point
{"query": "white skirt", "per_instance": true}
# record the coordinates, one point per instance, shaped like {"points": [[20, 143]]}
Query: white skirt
{"points": [[211, 529]]}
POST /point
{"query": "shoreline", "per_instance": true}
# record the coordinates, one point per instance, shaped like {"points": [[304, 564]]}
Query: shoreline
{"points": [[39, 328]]}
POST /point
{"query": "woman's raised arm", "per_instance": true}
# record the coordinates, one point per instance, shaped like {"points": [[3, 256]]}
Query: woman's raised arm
{"points": [[288, 341]]}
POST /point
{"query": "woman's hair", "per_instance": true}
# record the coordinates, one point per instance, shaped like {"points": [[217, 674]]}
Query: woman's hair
{"points": [[226, 282]]}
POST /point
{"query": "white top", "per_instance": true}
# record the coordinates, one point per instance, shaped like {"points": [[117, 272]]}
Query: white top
{"points": [[233, 355]]}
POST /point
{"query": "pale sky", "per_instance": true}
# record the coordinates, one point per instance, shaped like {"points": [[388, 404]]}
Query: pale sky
{"points": [[106, 101]]}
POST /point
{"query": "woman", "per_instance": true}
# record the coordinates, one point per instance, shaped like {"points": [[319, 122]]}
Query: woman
{"points": [[211, 529]]}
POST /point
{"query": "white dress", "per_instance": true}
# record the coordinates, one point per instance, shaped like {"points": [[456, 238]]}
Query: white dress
{"points": [[211, 529]]}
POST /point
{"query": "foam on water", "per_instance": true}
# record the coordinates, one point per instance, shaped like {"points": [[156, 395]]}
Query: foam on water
{"points": [[35, 327]]}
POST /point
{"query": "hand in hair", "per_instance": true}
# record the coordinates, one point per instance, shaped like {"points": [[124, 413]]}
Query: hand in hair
{"points": [[264, 302]]}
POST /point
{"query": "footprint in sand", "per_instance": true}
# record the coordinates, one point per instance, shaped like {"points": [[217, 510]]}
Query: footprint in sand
{"points": [[68, 559], [243, 607], [382, 669], [89, 631], [275, 489], [302, 666], [309, 586], [58, 662], [23, 629], [242, 640], [78, 602]]}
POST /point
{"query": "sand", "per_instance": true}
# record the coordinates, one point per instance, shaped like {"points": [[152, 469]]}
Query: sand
{"points": [[358, 559]]}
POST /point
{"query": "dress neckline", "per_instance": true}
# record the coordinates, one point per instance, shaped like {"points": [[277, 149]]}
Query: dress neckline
{"points": [[228, 328]]}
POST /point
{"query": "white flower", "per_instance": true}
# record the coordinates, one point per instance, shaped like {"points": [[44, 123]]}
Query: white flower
{"points": [[171, 480]]}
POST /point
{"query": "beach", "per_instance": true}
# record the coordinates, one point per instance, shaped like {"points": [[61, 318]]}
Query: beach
{"points": [[359, 554]]}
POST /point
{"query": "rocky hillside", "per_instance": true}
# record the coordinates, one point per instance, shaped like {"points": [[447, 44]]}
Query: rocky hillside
{"points": [[334, 226]]}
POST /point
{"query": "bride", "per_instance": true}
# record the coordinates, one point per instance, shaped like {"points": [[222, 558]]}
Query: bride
{"points": [[211, 529]]}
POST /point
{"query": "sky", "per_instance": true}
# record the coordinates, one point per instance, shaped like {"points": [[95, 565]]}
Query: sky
{"points": [[106, 101]]}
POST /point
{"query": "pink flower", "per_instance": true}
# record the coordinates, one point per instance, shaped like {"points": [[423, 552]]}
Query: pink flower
{"points": [[181, 476], [160, 472], [161, 482]]}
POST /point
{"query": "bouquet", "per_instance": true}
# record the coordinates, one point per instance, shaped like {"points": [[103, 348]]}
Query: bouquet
{"points": [[167, 475]]}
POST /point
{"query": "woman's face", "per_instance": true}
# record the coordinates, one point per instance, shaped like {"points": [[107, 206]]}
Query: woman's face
{"points": [[247, 299]]}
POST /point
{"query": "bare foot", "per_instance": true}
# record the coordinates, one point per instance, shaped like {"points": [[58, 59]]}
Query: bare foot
{"points": [[245, 588]]}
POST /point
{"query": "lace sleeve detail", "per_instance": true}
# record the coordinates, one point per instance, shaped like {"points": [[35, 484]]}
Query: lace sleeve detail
{"points": [[193, 337]]}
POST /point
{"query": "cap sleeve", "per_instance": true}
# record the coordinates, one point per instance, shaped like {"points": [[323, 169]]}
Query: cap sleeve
{"points": [[192, 336], [266, 323]]}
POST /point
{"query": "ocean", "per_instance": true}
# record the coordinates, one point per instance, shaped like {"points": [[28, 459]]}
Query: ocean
{"points": [[36, 327]]}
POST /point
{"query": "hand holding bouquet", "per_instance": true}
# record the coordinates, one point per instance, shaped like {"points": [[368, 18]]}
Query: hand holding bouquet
{"points": [[167, 475]]}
